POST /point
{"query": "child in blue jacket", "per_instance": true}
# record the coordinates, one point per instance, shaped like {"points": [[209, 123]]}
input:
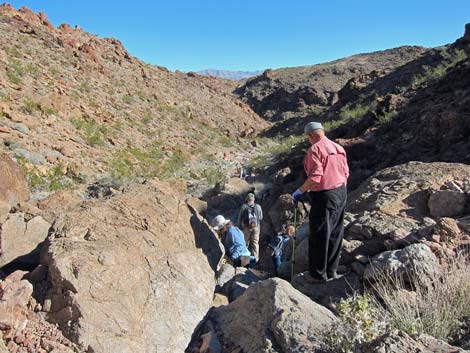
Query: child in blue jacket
{"points": [[277, 245]]}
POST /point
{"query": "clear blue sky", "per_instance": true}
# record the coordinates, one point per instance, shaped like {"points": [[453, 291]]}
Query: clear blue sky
{"points": [[259, 34]]}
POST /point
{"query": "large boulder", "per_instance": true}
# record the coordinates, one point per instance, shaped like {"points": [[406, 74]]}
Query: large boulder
{"points": [[416, 259], [13, 186], [20, 239], [271, 316], [392, 208], [125, 272]]}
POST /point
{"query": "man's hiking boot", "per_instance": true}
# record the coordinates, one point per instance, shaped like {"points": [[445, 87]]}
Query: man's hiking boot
{"points": [[244, 261]]}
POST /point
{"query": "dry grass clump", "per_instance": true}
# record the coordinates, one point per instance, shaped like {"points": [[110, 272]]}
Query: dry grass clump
{"points": [[434, 303]]}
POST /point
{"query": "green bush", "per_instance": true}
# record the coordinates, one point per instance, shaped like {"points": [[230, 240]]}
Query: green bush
{"points": [[449, 59], [359, 323], [387, 118], [55, 179], [347, 113], [15, 72], [93, 133], [133, 162], [30, 106]]}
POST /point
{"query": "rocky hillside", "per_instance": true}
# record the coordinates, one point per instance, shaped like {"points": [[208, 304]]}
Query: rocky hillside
{"points": [[417, 112], [300, 91], [75, 107]]}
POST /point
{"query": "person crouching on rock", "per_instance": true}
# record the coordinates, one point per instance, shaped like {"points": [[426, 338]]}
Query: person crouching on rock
{"points": [[234, 242], [277, 245]]}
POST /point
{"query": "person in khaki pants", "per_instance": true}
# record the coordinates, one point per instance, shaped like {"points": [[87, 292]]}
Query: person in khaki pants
{"points": [[249, 219]]}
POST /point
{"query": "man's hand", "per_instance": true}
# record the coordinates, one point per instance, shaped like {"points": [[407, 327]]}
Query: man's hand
{"points": [[296, 195]]}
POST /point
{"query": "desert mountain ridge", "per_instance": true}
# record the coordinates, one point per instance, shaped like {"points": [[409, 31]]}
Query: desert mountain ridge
{"points": [[229, 74]]}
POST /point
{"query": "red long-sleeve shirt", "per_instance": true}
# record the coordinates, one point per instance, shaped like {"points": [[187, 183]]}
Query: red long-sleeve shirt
{"points": [[326, 165]]}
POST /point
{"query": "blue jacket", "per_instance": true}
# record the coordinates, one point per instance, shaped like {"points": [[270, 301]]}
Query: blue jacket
{"points": [[234, 243]]}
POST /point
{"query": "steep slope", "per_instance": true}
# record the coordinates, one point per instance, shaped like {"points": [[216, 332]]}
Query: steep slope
{"points": [[76, 105], [299, 91], [417, 112]]}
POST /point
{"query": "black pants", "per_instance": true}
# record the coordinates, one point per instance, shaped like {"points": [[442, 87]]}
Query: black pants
{"points": [[326, 231]]}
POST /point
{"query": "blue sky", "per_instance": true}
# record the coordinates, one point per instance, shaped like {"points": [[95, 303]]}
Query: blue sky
{"points": [[259, 34]]}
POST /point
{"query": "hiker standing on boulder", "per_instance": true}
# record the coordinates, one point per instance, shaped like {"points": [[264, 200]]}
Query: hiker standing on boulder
{"points": [[327, 174], [234, 242], [249, 219]]}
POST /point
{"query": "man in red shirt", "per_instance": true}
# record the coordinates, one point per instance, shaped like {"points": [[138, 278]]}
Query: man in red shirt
{"points": [[327, 174]]}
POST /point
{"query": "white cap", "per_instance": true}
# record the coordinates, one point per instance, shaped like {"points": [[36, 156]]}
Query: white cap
{"points": [[219, 222], [312, 126]]}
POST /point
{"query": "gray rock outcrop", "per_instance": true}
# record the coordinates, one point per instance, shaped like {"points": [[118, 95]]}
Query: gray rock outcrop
{"points": [[125, 273], [271, 316], [415, 259]]}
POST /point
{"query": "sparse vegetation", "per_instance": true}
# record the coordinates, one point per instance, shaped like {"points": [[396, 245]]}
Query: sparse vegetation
{"points": [[449, 58], [93, 133], [437, 304], [84, 87], [127, 99], [434, 304], [347, 112], [30, 106], [387, 118], [152, 162], [53, 179], [359, 323], [15, 72]]}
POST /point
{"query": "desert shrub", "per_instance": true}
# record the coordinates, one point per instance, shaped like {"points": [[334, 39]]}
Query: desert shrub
{"points": [[53, 179], [213, 175], [347, 112], [151, 162], [93, 133], [387, 118], [15, 72], [449, 58], [433, 304], [84, 87], [30, 106], [127, 99], [332, 124], [359, 323]]}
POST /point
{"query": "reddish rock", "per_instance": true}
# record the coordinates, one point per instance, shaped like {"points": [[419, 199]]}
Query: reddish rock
{"points": [[45, 21], [14, 187]]}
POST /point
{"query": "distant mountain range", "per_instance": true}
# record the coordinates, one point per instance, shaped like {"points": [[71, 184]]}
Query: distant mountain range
{"points": [[230, 75]]}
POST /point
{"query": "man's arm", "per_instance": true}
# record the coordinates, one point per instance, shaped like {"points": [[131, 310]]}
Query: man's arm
{"points": [[309, 184]]}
